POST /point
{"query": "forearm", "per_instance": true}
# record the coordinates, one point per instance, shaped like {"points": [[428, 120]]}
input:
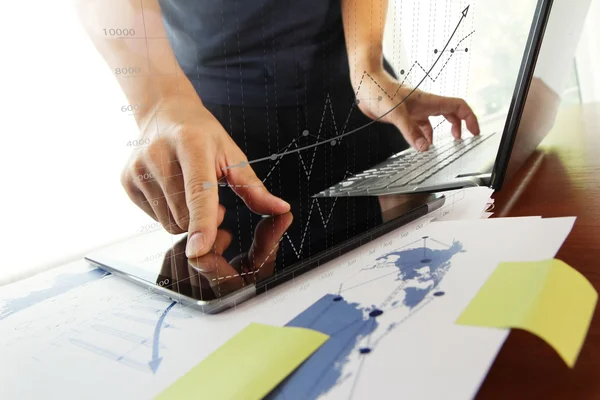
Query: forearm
{"points": [[131, 38], [364, 23]]}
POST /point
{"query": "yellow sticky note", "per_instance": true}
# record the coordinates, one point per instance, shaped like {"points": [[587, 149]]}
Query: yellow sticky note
{"points": [[249, 365], [547, 298]]}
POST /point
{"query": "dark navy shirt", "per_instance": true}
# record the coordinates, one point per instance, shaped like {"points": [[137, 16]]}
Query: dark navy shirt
{"points": [[258, 52]]}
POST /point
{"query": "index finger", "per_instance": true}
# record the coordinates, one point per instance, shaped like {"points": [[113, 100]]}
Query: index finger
{"points": [[440, 105], [461, 110], [202, 198]]}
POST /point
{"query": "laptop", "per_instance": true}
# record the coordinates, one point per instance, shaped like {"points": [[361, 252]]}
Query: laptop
{"points": [[483, 160]]}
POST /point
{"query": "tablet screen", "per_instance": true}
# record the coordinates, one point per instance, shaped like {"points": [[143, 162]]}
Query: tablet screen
{"points": [[259, 250]]}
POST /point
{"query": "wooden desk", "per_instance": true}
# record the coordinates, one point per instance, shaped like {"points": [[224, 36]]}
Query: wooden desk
{"points": [[561, 179]]}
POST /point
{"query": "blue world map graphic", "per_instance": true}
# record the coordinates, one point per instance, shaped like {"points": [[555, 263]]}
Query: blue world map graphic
{"points": [[347, 323]]}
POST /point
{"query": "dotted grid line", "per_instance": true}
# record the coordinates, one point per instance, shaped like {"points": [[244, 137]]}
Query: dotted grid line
{"points": [[448, 9], [269, 146], [456, 77], [237, 22], [262, 16], [395, 54], [469, 58], [275, 95], [172, 222], [415, 30], [231, 132], [305, 112], [249, 272], [353, 159], [431, 30]]}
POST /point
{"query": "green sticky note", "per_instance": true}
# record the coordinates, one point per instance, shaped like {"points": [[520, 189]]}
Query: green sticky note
{"points": [[249, 365], [547, 298]]}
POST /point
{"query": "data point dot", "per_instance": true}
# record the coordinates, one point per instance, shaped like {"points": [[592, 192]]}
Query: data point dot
{"points": [[425, 237], [435, 51], [274, 157], [333, 142], [426, 261], [466, 50], [438, 294], [305, 132], [380, 98], [357, 101], [451, 50], [337, 298], [364, 350], [401, 72], [375, 313]]}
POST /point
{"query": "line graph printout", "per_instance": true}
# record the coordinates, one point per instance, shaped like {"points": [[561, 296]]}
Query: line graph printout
{"points": [[389, 305]]}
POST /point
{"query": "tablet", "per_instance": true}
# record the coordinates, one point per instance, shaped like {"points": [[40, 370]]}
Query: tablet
{"points": [[253, 253]]}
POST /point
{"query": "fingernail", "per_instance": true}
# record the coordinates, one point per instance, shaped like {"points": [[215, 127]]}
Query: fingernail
{"points": [[421, 144], [206, 266], [285, 204], [195, 244]]}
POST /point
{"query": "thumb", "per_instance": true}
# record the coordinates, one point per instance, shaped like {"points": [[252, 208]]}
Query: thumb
{"points": [[410, 130], [202, 199], [249, 188]]}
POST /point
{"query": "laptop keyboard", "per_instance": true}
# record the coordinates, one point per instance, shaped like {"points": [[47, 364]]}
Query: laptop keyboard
{"points": [[407, 168]]}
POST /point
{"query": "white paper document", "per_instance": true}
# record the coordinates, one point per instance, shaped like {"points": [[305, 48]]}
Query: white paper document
{"points": [[389, 308]]}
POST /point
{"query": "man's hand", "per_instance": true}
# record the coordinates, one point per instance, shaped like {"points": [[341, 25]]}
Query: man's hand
{"points": [[175, 178], [364, 23], [412, 116]]}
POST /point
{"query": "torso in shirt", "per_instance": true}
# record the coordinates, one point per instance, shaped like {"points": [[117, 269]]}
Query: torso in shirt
{"points": [[258, 52]]}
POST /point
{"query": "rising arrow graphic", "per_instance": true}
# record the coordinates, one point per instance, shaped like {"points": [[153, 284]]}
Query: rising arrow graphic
{"points": [[310, 146]]}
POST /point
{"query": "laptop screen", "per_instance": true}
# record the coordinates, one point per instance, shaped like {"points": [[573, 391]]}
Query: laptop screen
{"points": [[546, 64]]}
